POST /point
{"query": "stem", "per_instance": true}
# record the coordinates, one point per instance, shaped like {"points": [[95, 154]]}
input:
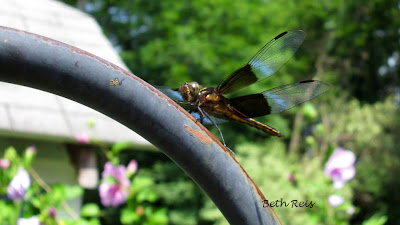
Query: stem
{"points": [[47, 188]]}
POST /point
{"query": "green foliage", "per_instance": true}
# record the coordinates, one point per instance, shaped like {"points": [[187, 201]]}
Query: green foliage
{"points": [[39, 197], [120, 146], [177, 192], [139, 209], [375, 220], [90, 210]]}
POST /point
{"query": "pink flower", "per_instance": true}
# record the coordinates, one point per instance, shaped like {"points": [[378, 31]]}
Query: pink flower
{"points": [[83, 138], [52, 212], [31, 149], [340, 167], [115, 185], [132, 167], [335, 200], [34, 220], [18, 185], [292, 179], [351, 210], [4, 163]]}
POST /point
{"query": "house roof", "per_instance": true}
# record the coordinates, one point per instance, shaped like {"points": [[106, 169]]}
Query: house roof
{"points": [[30, 112]]}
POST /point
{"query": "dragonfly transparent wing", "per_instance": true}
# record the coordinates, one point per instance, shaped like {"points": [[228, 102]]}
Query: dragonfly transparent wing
{"points": [[171, 93], [207, 121], [266, 62], [279, 99]]}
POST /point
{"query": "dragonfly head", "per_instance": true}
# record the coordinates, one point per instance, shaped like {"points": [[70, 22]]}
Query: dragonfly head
{"points": [[190, 91]]}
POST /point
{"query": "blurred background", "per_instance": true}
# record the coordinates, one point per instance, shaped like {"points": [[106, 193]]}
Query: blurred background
{"points": [[353, 45]]}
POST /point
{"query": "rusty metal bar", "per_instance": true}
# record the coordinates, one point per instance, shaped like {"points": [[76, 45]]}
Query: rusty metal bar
{"points": [[39, 62]]}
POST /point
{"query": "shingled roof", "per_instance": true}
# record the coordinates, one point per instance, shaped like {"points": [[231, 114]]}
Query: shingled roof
{"points": [[30, 112]]}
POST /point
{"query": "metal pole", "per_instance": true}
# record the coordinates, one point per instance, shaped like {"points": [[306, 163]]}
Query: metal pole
{"points": [[39, 62]]}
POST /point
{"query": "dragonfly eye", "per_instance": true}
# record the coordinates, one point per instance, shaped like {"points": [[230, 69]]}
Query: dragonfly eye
{"points": [[189, 91], [194, 87]]}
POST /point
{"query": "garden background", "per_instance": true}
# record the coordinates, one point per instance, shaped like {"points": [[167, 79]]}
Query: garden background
{"points": [[353, 45]]}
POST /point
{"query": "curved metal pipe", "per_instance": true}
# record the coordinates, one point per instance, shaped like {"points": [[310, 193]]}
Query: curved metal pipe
{"points": [[39, 62]]}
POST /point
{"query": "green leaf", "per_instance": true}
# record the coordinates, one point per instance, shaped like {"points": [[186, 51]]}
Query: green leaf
{"points": [[119, 146], [146, 195], [310, 111], [11, 154], [66, 192], [90, 210], [73, 192], [376, 220], [129, 216], [158, 217]]}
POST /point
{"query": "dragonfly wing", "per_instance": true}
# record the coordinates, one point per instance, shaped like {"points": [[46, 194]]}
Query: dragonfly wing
{"points": [[279, 99], [207, 121], [266, 62], [171, 93]]}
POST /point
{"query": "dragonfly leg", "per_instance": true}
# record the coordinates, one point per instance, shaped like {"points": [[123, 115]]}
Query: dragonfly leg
{"points": [[201, 115], [204, 114], [192, 109]]}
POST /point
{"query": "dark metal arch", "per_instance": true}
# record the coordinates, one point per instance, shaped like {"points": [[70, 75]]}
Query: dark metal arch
{"points": [[39, 62]]}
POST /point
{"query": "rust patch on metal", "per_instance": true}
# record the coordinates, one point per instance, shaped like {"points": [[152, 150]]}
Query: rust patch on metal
{"points": [[199, 135]]}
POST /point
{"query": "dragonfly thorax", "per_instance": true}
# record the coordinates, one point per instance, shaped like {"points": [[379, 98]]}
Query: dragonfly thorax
{"points": [[210, 94], [190, 91]]}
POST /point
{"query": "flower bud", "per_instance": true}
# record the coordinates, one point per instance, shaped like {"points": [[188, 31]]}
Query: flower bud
{"points": [[83, 138], [132, 167], [4, 163], [52, 212], [336, 200], [29, 155]]}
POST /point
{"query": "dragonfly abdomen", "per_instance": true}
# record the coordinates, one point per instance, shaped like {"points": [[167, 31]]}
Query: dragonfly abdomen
{"points": [[264, 127], [254, 123]]}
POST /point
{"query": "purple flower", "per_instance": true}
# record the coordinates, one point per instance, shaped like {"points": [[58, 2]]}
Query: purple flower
{"points": [[18, 185], [34, 220], [115, 185], [335, 200], [83, 138], [340, 167], [4, 163]]}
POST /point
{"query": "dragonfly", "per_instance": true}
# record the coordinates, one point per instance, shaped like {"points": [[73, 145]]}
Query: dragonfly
{"points": [[208, 104]]}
